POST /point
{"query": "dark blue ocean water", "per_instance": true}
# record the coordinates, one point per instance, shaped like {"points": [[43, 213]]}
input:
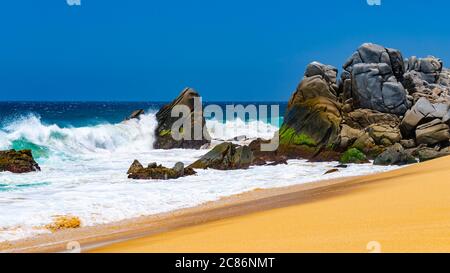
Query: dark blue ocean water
{"points": [[80, 114]]}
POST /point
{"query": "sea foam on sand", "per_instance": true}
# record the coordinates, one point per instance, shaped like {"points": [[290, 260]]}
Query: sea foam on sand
{"points": [[84, 174]]}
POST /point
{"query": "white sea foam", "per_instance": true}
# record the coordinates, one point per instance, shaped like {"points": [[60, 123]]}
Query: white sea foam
{"points": [[84, 175], [238, 127]]}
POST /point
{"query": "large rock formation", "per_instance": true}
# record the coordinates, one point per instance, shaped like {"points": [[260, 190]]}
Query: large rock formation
{"points": [[312, 121], [191, 138], [372, 79], [18, 161], [225, 156], [154, 171]]}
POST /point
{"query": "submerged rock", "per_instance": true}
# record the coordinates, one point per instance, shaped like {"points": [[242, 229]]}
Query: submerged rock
{"points": [[331, 171], [136, 114], [18, 161], [395, 155], [225, 156], [190, 139], [154, 171]]}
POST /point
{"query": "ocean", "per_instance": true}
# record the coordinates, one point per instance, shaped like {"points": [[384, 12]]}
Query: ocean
{"points": [[84, 150]]}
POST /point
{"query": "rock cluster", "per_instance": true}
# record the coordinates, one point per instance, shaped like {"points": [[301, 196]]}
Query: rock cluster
{"points": [[225, 156], [154, 171], [18, 161], [380, 102]]}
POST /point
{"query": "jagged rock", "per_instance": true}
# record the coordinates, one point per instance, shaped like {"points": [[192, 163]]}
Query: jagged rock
{"points": [[135, 167], [312, 123], [154, 171], [225, 156], [428, 68], [372, 77], [363, 118], [394, 155], [348, 136], [432, 133], [408, 143], [310, 88], [367, 145], [426, 153], [375, 54], [136, 114], [191, 139], [18, 161], [327, 73], [384, 135], [375, 87], [423, 110], [444, 78]]}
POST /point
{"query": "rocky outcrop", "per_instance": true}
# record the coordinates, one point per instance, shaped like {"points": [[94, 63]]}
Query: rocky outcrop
{"points": [[136, 114], [384, 134], [190, 138], [154, 171], [312, 121], [395, 155], [426, 153], [375, 87], [428, 69], [225, 156], [422, 112], [18, 161], [372, 79], [363, 118], [432, 133]]}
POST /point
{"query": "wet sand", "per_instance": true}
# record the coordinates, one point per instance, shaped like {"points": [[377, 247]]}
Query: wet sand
{"points": [[406, 210]]}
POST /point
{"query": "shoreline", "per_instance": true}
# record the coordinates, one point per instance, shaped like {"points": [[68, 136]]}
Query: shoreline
{"points": [[92, 237], [395, 207]]}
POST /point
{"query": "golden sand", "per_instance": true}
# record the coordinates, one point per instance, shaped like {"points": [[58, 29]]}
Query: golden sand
{"points": [[407, 210]]}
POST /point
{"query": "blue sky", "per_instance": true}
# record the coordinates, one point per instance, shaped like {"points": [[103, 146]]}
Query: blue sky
{"points": [[229, 50]]}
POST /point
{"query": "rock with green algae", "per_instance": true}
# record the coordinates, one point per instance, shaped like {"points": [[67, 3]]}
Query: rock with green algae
{"points": [[225, 156], [155, 171], [353, 155], [311, 125], [18, 161]]}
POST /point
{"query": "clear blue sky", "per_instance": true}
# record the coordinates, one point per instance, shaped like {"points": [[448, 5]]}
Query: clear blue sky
{"points": [[229, 50]]}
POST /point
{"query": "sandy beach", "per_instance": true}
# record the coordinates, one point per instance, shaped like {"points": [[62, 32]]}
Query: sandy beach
{"points": [[406, 210]]}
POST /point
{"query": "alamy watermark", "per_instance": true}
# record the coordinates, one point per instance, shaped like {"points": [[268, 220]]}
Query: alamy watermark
{"points": [[374, 2], [73, 2]]}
